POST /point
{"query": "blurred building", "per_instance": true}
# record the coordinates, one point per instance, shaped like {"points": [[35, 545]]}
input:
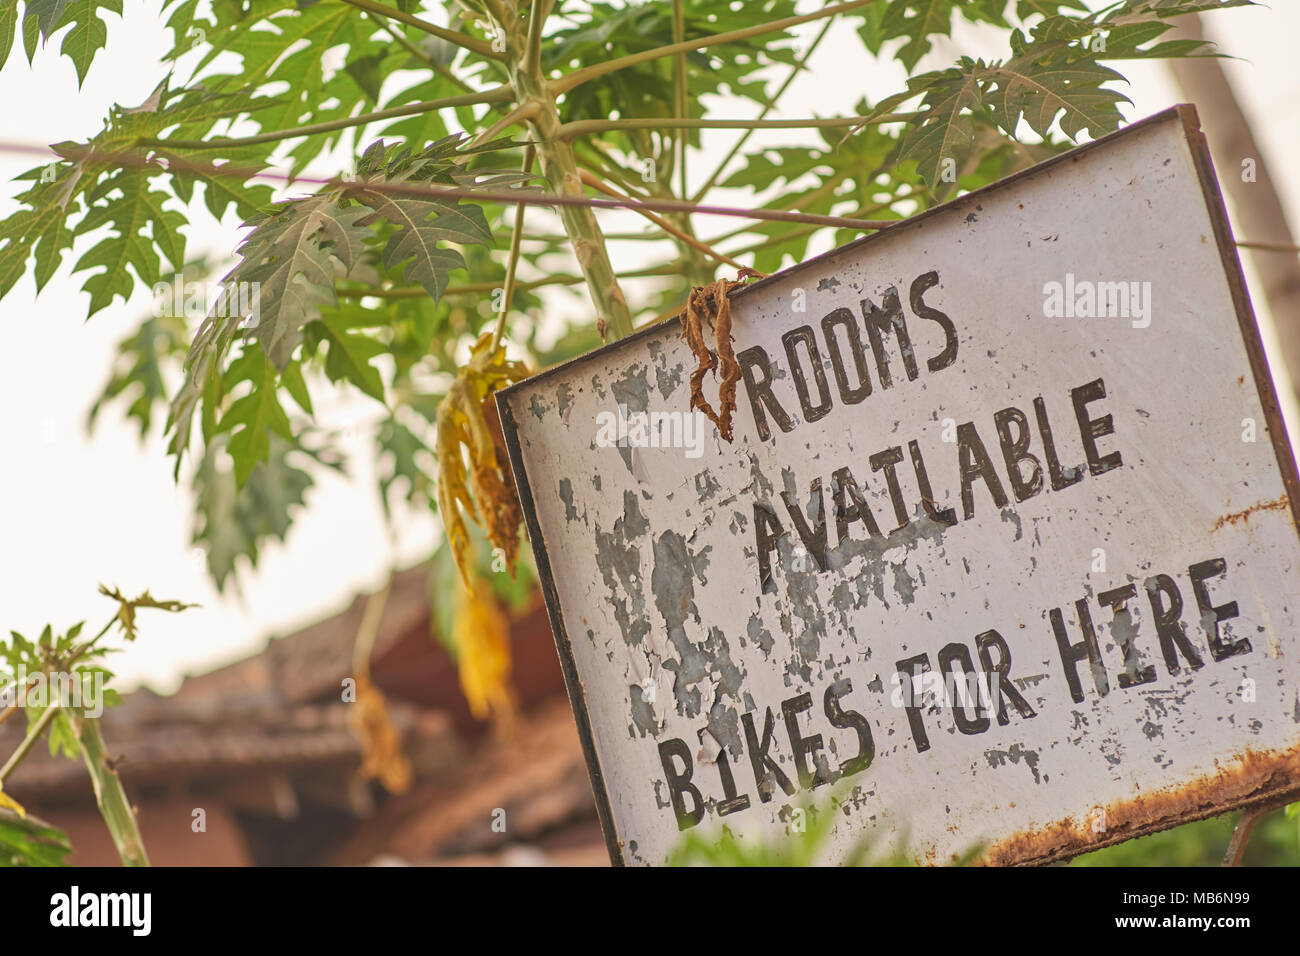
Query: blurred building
{"points": [[263, 748]]}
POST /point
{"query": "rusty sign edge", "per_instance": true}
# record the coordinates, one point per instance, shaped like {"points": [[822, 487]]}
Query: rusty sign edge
{"points": [[1246, 320], [1042, 844], [572, 681]]}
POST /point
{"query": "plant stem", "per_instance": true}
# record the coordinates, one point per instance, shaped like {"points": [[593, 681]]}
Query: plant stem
{"points": [[805, 230], [827, 186], [566, 83], [400, 38], [560, 169], [473, 44], [767, 108], [114, 807], [364, 644], [680, 108], [569, 202], [533, 49], [575, 206], [515, 238], [520, 114], [415, 291], [32, 736], [1241, 836], [1269, 246], [583, 127], [592, 157], [497, 95]]}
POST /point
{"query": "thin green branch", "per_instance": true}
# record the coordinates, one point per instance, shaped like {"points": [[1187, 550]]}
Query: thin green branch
{"points": [[828, 185], [566, 199], [467, 288], [592, 157], [463, 40], [497, 95], [808, 229], [1269, 246], [594, 182], [515, 238], [32, 736], [401, 40], [680, 108], [477, 288], [566, 83], [533, 52], [520, 114], [767, 108], [495, 9], [554, 237], [585, 127]]}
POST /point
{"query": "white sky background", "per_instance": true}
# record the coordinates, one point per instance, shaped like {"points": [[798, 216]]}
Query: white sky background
{"points": [[75, 510]]}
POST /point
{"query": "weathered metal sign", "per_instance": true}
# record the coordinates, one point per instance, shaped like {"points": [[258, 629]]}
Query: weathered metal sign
{"points": [[1003, 552]]}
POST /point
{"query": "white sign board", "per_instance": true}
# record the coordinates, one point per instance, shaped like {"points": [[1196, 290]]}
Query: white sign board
{"points": [[1003, 552]]}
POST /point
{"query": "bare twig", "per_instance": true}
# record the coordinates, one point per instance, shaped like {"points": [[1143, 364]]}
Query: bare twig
{"points": [[32, 736], [1241, 836]]}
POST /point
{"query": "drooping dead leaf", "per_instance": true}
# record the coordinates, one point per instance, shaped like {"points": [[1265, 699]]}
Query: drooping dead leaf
{"points": [[709, 303], [483, 489], [481, 634], [381, 745]]}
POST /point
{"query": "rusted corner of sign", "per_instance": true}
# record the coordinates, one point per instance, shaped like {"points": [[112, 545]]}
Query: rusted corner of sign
{"points": [[1255, 778]]}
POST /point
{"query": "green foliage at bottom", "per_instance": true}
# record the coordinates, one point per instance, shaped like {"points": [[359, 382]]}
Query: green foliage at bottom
{"points": [[27, 841], [1275, 841]]}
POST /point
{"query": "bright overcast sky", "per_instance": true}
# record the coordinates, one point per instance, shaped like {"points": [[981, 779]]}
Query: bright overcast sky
{"points": [[75, 511]]}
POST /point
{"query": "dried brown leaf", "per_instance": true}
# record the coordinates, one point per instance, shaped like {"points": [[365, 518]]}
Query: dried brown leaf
{"points": [[710, 303]]}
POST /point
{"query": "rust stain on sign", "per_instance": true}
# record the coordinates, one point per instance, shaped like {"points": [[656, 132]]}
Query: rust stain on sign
{"points": [[1251, 778], [963, 575], [1277, 504]]}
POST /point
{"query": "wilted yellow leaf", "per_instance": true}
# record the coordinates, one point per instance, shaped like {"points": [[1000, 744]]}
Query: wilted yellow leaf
{"points": [[481, 632], [9, 803], [481, 490]]}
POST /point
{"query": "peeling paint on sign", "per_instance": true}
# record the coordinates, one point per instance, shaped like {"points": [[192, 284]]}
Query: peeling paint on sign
{"points": [[992, 560]]}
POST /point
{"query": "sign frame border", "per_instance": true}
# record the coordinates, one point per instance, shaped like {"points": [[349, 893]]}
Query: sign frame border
{"points": [[1189, 119]]}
